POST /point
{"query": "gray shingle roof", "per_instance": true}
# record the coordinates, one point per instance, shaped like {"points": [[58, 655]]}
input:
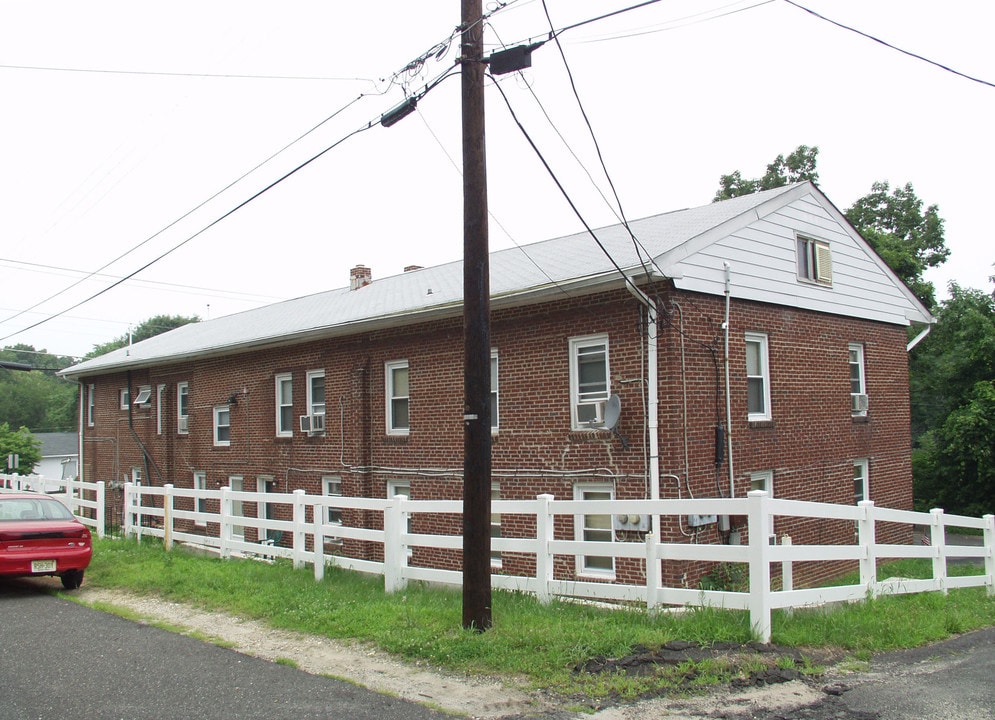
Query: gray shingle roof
{"points": [[515, 272]]}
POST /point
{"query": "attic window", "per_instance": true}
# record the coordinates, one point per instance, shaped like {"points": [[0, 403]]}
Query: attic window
{"points": [[815, 262], [144, 395]]}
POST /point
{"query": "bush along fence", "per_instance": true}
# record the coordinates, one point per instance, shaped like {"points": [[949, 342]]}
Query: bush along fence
{"points": [[86, 500], [221, 520]]}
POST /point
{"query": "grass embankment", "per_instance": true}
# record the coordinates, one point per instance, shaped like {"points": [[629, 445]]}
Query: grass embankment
{"points": [[542, 643]]}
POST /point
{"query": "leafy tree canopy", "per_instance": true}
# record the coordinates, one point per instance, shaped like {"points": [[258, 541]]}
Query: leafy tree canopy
{"points": [[22, 443], [798, 166], [143, 331], [37, 399]]}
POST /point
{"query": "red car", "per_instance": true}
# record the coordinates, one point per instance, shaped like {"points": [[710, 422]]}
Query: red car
{"points": [[39, 536]]}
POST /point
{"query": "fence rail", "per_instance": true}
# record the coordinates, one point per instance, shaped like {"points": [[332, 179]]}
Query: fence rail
{"points": [[153, 511], [86, 500]]}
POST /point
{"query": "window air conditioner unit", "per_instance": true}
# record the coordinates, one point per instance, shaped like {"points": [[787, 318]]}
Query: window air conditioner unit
{"points": [[313, 424], [858, 403], [182, 424], [592, 414]]}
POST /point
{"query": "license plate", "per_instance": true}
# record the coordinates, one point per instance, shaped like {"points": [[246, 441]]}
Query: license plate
{"points": [[40, 566]]}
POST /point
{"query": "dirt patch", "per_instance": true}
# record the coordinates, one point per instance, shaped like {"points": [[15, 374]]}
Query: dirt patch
{"points": [[763, 693]]}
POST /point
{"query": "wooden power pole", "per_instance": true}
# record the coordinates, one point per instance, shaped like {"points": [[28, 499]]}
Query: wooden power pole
{"points": [[476, 332]]}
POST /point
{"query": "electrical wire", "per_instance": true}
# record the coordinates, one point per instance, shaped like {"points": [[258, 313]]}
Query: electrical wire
{"points": [[224, 76], [888, 45]]}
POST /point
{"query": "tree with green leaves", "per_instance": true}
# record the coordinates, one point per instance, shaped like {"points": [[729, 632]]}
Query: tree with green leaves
{"points": [[21, 443], [797, 167], [143, 331], [32, 395], [952, 375], [906, 237]]}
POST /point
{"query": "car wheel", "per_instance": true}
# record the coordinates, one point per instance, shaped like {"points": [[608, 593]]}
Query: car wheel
{"points": [[72, 579]]}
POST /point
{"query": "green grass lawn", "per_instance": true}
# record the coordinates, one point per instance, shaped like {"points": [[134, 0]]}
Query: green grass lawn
{"points": [[541, 644]]}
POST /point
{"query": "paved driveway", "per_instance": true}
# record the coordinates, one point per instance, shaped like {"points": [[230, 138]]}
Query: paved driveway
{"points": [[63, 660]]}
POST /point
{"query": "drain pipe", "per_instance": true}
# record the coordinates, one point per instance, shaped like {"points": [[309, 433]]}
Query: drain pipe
{"points": [[653, 420], [724, 524]]}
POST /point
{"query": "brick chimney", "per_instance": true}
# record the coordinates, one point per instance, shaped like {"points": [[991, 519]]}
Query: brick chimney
{"points": [[412, 268], [360, 276]]}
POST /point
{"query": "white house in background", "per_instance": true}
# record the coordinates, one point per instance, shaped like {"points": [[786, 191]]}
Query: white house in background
{"points": [[59, 455]]}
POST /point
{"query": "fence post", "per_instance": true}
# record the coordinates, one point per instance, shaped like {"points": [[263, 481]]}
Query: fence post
{"points": [[126, 500], [867, 539], [544, 557], [394, 554], [300, 515], [225, 532], [319, 546], [101, 514], [167, 516], [990, 553], [758, 515], [787, 572], [652, 573], [938, 539]]}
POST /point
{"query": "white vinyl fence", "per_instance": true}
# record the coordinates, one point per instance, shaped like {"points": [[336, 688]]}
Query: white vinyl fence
{"points": [[86, 500], [152, 511]]}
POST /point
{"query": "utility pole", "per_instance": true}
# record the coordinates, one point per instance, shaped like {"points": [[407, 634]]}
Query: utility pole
{"points": [[476, 331]]}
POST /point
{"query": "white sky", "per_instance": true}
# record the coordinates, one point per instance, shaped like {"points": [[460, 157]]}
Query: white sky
{"points": [[94, 164]]}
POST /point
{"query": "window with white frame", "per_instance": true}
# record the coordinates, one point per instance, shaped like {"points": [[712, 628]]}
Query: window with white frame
{"points": [[91, 404], [494, 390], [144, 397], [861, 481], [588, 381], [316, 400], [398, 397], [222, 425], [125, 396], [764, 480], [814, 261], [200, 483], [332, 487], [757, 377], [594, 527], [284, 405], [495, 526], [182, 408], [858, 386]]}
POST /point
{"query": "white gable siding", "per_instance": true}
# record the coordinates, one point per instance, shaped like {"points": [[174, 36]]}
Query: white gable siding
{"points": [[762, 256]]}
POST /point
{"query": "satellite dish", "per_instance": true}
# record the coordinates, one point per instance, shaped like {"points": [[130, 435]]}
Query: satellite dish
{"points": [[613, 410]]}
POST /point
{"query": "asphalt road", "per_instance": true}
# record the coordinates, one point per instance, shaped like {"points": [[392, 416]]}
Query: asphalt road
{"points": [[60, 660]]}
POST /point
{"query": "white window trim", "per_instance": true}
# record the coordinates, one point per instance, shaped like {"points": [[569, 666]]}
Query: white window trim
{"points": [[312, 407], [159, 391], [389, 368], [865, 476], [124, 396], [281, 402], [761, 339], [765, 478], [862, 365], [218, 409], [328, 484], [495, 527], [580, 489], [495, 392], [144, 397], [200, 504], [818, 259], [182, 418], [91, 404], [576, 344]]}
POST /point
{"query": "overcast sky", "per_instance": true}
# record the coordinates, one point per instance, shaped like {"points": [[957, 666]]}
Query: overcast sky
{"points": [[124, 125]]}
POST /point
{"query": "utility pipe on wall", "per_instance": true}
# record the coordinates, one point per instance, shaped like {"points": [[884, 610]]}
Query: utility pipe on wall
{"points": [[653, 420], [725, 326]]}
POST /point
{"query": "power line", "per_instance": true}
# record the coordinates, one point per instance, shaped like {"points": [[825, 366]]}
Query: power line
{"points": [[152, 73], [890, 46]]}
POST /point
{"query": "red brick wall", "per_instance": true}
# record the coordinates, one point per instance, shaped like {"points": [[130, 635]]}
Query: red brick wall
{"points": [[810, 443]]}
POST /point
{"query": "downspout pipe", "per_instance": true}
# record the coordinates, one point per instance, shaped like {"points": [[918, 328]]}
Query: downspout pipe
{"points": [[725, 326], [653, 390]]}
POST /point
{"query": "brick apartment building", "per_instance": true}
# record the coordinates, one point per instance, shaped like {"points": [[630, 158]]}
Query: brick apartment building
{"points": [[358, 391]]}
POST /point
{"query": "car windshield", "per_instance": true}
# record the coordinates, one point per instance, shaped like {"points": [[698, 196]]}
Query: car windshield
{"points": [[39, 508]]}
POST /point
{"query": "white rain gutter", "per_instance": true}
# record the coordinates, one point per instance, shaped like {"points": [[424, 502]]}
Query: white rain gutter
{"points": [[652, 420]]}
